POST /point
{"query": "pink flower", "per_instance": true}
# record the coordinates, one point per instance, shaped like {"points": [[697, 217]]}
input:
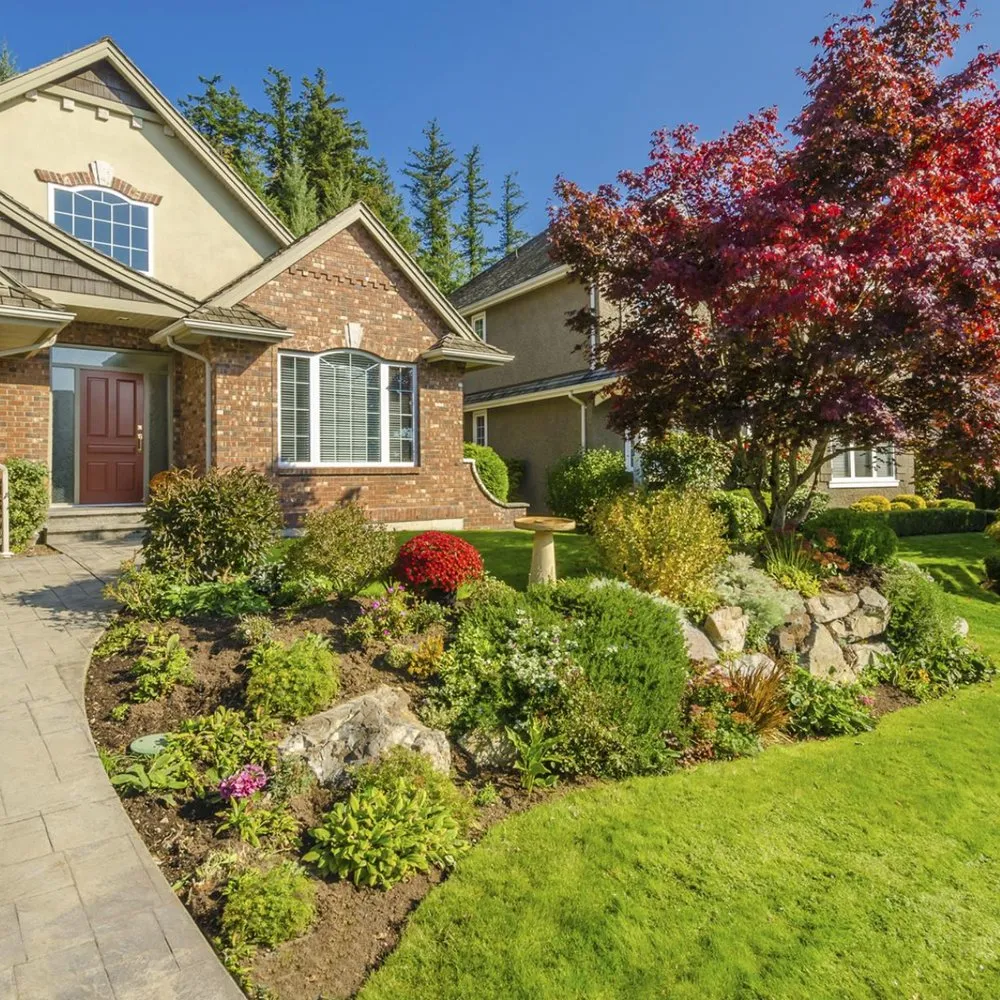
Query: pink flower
{"points": [[252, 778]]}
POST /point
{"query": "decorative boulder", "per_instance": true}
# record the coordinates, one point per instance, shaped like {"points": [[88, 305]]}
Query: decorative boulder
{"points": [[823, 657], [699, 647], [790, 636], [828, 607], [873, 602], [857, 625], [492, 751], [361, 730], [864, 653], [727, 628], [749, 662], [961, 628]]}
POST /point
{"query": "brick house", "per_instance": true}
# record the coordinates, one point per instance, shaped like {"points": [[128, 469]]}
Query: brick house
{"points": [[154, 313], [521, 305]]}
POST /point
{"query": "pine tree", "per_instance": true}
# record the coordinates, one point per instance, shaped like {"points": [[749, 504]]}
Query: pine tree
{"points": [[376, 189], [512, 207], [281, 125], [329, 145], [477, 213], [8, 64], [433, 193], [296, 199], [232, 127]]}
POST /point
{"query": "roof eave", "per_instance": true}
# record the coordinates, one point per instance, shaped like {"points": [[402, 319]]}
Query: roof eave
{"points": [[521, 288], [42, 318], [194, 331], [539, 396], [471, 359]]}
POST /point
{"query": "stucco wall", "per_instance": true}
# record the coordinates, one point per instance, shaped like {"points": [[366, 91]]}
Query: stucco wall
{"points": [[533, 328], [202, 235]]}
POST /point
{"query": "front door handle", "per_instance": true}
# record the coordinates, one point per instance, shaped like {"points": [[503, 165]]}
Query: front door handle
{"points": [[138, 439]]}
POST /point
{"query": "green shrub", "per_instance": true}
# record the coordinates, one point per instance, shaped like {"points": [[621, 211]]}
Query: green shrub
{"points": [[911, 501], [744, 521], [254, 629], [163, 664], [937, 669], [739, 583], [121, 636], [380, 838], [949, 503], [416, 769], [217, 598], [343, 547], [210, 527], [294, 681], [28, 484], [579, 483], [873, 504], [992, 567], [939, 521], [922, 618], [266, 908], [682, 461], [491, 468], [664, 542], [139, 590], [806, 504], [819, 708], [862, 539]]}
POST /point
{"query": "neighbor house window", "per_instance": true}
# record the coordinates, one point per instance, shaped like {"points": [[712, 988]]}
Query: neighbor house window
{"points": [[346, 408], [865, 467], [479, 325], [480, 428], [106, 221]]}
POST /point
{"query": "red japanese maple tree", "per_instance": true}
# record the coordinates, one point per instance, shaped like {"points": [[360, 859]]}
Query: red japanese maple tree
{"points": [[792, 293]]}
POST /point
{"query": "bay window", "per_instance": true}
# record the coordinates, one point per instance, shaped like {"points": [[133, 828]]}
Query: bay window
{"points": [[864, 467], [345, 408]]}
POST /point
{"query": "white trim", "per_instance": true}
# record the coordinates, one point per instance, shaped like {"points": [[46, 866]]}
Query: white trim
{"points": [[595, 339], [53, 187], [528, 285], [535, 397], [861, 482], [472, 359], [202, 328], [41, 317], [475, 319], [476, 416], [314, 408]]}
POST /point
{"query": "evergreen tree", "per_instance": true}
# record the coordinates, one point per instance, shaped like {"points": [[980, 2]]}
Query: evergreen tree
{"points": [[296, 199], [329, 145], [477, 213], [8, 64], [376, 189], [433, 193], [281, 124], [232, 127], [512, 207]]}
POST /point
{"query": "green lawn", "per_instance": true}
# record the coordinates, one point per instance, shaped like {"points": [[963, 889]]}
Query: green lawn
{"points": [[850, 869]]}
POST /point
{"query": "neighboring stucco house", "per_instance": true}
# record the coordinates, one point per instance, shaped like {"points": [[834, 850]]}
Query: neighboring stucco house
{"points": [[550, 401], [154, 313]]}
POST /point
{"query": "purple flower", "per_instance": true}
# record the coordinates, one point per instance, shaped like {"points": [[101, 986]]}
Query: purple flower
{"points": [[867, 700], [252, 778]]}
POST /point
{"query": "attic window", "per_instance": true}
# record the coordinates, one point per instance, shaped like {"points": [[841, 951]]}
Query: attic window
{"points": [[479, 325], [107, 221]]}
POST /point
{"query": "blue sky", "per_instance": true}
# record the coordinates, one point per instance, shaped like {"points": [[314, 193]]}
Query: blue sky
{"points": [[544, 86]]}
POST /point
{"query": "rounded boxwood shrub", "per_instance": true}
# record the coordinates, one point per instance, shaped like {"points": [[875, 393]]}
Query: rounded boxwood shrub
{"points": [[579, 483], [434, 561], [682, 461], [29, 500], [861, 538], [491, 468], [295, 681], [910, 501], [876, 503], [209, 527]]}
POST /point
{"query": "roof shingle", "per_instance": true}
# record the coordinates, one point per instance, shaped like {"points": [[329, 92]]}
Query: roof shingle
{"points": [[529, 261]]}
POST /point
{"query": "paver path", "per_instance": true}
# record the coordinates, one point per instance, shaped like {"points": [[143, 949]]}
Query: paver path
{"points": [[84, 911]]}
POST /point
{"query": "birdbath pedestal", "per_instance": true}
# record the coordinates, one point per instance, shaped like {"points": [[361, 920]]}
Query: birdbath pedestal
{"points": [[543, 551]]}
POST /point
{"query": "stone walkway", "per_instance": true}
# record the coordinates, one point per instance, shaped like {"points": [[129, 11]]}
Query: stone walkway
{"points": [[84, 911]]}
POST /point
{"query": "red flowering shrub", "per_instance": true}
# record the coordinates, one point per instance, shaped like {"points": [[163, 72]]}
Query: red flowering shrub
{"points": [[433, 560]]}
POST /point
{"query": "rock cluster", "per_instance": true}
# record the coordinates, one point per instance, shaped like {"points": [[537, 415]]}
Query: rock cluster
{"points": [[836, 637], [361, 730]]}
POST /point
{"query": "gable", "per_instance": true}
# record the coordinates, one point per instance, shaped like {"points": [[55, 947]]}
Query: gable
{"points": [[94, 107]]}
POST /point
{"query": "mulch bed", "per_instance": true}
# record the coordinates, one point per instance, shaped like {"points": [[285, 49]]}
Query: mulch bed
{"points": [[355, 927]]}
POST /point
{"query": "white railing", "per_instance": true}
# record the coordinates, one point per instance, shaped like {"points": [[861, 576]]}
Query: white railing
{"points": [[5, 508]]}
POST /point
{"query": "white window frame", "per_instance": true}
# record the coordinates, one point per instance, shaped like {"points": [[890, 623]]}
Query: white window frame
{"points": [[630, 464], [475, 319], [476, 416], [314, 428], [595, 334], [853, 481], [150, 214]]}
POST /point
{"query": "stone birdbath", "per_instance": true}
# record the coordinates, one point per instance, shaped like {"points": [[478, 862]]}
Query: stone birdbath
{"points": [[543, 551]]}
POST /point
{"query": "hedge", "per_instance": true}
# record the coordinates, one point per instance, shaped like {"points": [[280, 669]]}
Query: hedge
{"points": [[940, 521], [491, 468]]}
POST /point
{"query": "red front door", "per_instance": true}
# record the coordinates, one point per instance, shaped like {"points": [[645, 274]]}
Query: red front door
{"points": [[111, 415]]}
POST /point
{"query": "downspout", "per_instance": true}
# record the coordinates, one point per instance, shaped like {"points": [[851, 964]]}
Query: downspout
{"points": [[5, 505], [582, 403], [208, 395]]}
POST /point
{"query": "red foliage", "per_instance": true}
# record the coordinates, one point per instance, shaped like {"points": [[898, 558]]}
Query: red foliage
{"points": [[436, 561], [840, 283]]}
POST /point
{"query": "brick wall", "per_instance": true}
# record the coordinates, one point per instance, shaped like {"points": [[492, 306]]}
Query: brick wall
{"points": [[24, 408], [350, 280]]}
